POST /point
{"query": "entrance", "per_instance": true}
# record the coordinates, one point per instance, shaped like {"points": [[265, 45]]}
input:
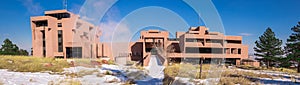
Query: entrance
{"points": [[74, 52]]}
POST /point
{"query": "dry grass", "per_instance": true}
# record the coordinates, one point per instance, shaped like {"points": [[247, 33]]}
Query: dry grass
{"points": [[32, 64], [184, 70], [91, 63], [236, 73], [285, 70], [228, 76], [82, 62], [65, 82], [111, 62], [81, 73], [234, 81]]}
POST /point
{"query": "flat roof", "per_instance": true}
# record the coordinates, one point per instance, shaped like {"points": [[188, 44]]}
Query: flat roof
{"points": [[56, 11]]}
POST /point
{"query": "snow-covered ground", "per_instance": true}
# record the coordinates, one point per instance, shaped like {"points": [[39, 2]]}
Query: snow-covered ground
{"points": [[117, 75], [104, 75], [38, 78], [24, 78]]}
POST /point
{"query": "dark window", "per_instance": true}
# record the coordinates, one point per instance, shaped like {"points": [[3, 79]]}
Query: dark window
{"points": [[234, 51], [91, 28], [60, 40], [154, 32], [59, 24], [60, 15], [206, 32], [41, 23], [148, 49], [44, 43], [59, 56], [214, 41], [234, 41], [173, 39], [194, 40], [204, 50], [74, 52], [239, 51]]}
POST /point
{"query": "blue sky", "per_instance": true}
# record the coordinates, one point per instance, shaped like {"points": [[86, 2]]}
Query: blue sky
{"points": [[248, 18]]}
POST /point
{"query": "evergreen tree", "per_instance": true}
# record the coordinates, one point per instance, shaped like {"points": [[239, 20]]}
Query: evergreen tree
{"points": [[268, 47], [8, 48], [23, 52], [293, 46]]}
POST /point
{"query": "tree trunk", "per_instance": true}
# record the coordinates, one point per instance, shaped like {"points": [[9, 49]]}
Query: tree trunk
{"points": [[201, 62], [268, 63], [298, 67]]}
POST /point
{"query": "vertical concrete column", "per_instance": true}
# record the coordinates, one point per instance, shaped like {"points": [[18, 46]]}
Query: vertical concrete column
{"points": [[144, 51], [238, 62]]}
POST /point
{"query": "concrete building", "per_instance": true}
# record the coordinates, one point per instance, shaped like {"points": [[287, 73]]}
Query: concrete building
{"points": [[62, 34], [194, 44]]}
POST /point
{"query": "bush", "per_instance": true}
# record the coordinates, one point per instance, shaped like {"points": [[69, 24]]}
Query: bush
{"points": [[249, 67], [111, 62]]}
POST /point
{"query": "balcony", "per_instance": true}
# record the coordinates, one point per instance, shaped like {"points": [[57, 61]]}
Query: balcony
{"points": [[42, 27], [231, 45], [194, 44], [210, 55], [218, 45]]}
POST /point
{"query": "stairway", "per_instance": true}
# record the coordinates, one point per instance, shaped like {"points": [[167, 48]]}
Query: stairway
{"points": [[155, 67]]}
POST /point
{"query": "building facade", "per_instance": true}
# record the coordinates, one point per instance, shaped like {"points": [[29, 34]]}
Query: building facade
{"points": [[61, 34], [197, 43]]}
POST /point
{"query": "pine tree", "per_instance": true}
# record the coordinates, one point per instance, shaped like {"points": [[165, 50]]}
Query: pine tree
{"points": [[293, 46], [268, 47], [23, 52], [8, 48]]}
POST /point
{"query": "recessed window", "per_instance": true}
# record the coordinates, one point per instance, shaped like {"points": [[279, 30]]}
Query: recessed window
{"points": [[78, 25], [59, 24], [91, 28], [41, 23], [234, 41], [204, 50], [59, 16], [60, 40]]}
